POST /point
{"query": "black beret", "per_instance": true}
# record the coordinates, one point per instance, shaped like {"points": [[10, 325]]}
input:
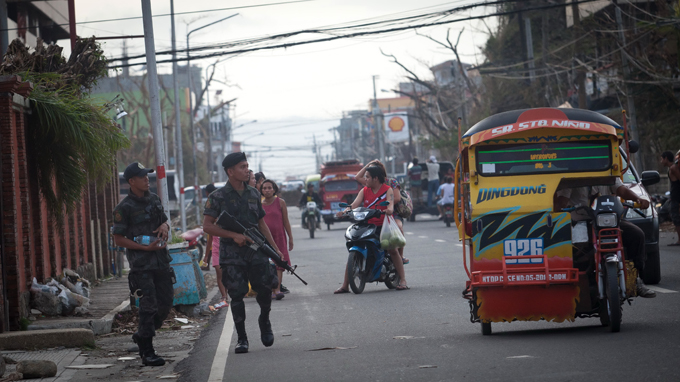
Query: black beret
{"points": [[136, 169], [233, 159]]}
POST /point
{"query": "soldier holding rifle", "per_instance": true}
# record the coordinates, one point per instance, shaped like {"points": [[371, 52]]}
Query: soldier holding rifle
{"points": [[239, 262]]}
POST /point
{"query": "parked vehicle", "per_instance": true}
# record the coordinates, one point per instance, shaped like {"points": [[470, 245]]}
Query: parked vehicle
{"points": [[310, 222], [292, 185], [647, 219], [338, 186], [173, 189], [367, 261], [522, 257], [420, 206]]}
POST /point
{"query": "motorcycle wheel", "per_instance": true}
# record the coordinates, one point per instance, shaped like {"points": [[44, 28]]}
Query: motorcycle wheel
{"points": [[311, 230], [357, 278], [447, 221], [201, 251], [392, 279], [613, 298], [486, 328]]}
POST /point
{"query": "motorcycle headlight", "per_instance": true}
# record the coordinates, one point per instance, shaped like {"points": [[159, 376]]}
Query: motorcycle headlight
{"points": [[606, 220], [360, 215], [368, 232]]}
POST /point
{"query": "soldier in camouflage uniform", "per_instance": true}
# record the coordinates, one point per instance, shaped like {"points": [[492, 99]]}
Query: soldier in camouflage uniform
{"points": [[141, 214], [239, 263]]}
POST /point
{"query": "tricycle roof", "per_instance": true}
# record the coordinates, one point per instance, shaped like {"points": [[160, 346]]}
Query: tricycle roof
{"points": [[515, 116]]}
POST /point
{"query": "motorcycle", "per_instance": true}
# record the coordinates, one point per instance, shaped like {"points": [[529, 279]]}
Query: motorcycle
{"points": [[310, 211], [663, 205], [367, 261], [448, 214], [603, 259], [196, 239]]}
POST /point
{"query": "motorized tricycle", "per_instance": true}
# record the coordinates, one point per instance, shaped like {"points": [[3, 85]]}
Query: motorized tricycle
{"points": [[523, 258]]}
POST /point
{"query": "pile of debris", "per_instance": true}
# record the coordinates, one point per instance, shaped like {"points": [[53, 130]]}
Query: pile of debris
{"points": [[64, 297]]}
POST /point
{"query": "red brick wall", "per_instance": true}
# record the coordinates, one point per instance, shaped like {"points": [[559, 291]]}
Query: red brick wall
{"points": [[33, 244]]}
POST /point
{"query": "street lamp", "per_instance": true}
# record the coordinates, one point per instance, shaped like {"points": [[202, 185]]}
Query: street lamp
{"points": [[191, 109]]}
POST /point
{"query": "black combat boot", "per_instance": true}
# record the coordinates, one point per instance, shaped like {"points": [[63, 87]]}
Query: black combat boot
{"points": [[266, 333], [149, 356], [242, 343]]}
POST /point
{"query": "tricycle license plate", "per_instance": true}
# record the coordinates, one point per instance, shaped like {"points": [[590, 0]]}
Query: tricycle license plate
{"points": [[514, 249]]}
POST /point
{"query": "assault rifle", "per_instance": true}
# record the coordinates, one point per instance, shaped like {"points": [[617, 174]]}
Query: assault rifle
{"points": [[228, 222]]}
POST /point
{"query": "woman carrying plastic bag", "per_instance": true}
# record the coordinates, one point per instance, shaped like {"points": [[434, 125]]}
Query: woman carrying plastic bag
{"points": [[369, 197]]}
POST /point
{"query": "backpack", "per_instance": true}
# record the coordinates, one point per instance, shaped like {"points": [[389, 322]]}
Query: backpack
{"points": [[405, 206]]}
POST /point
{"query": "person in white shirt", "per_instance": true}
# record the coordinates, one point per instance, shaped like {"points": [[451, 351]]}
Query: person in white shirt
{"points": [[432, 179], [446, 193]]}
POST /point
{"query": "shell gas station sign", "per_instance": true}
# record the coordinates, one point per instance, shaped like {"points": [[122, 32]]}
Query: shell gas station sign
{"points": [[396, 127]]}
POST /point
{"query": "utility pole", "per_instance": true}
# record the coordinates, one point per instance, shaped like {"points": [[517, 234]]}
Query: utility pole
{"points": [[4, 41], [377, 114], [179, 160], [155, 105], [530, 49], [226, 132], [581, 74], [629, 91], [210, 153]]}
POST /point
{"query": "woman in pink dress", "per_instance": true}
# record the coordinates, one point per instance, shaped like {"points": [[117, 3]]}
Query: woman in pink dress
{"points": [[277, 220]]}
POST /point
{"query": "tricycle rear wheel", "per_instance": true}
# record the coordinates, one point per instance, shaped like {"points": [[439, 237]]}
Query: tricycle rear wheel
{"points": [[613, 299], [486, 328]]}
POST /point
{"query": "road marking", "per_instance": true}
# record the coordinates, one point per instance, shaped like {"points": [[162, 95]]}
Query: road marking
{"points": [[440, 241], [460, 245], [409, 233], [422, 237], [220, 360], [661, 290], [521, 356]]}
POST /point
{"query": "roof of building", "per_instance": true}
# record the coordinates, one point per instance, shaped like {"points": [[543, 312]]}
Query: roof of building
{"points": [[514, 116]]}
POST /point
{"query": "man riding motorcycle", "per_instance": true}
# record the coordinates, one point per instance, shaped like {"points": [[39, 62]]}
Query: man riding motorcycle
{"points": [[633, 237], [310, 196]]}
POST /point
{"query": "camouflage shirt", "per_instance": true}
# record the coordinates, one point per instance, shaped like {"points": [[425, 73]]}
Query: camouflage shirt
{"points": [[135, 216], [247, 209]]}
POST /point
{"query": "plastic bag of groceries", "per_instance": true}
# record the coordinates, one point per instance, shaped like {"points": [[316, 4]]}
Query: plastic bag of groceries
{"points": [[391, 236]]}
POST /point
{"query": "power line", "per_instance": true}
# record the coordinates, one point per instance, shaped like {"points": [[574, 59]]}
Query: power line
{"points": [[336, 37], [177, 13]]}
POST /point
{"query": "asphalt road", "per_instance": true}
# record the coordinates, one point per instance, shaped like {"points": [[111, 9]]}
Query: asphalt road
{"points": [[425, 333]]}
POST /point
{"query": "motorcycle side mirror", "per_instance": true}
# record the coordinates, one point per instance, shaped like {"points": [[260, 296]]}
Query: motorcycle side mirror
{"points": [[385, 204], [343, 205], [633, 146], [650, 177]]}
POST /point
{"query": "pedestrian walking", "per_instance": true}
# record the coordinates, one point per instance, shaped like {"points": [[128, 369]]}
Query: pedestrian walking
{"points": [[140, 225], [277, 220], [668, 160], [432, 179], [414, 178], [240, 264]]}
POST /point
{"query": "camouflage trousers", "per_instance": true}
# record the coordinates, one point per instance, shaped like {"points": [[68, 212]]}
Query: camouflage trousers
{"points": [[157, 292], [236, 277]]}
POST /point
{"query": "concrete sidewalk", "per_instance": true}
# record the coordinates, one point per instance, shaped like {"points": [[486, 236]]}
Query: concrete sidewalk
{"points": [[106, 299]]}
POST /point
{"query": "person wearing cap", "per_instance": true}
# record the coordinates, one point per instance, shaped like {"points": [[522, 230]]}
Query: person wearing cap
{"points": [[239, 265], [141, 226], [432, 179]]}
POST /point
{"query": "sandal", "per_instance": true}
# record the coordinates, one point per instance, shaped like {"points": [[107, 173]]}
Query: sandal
{"points": [[405, 260], [402, 287], [340, 291]]}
